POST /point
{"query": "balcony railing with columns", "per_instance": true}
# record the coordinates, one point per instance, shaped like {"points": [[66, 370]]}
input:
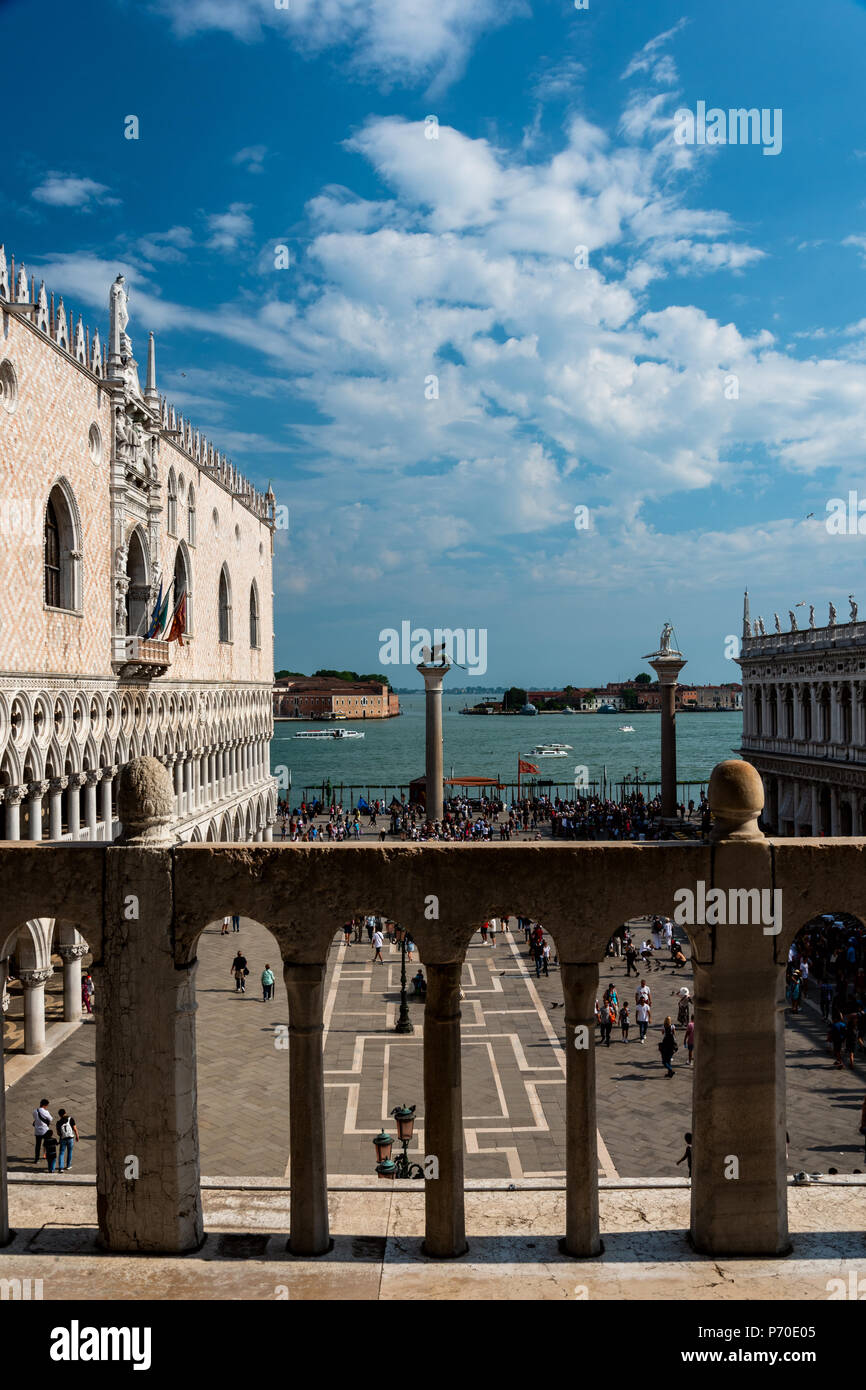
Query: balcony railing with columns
{"points": [[145, 967]]}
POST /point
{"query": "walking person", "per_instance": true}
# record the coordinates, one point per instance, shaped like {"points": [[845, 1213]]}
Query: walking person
{"points": [[624, 1022], [668, 1045], [642, 1014], [67, 1133], [87, 992], [545, 958], [687, 1156], [236, 921], [225, 930], [267, 984], [630, 958], [42, 1122], [689, 1040], [377, 942], [240, 972], [50, 1143]]}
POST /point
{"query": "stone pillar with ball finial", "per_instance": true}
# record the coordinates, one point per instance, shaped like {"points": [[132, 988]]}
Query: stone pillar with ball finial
{"points": [[738, 1199], [147, 1164]]}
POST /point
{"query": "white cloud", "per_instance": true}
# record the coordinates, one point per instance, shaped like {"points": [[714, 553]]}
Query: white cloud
{"points": [[229, 229], [399, 40], [67, 191], [251, 158]]}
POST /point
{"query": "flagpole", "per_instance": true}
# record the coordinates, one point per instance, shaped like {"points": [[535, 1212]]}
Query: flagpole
{"points": [[518, 777]]}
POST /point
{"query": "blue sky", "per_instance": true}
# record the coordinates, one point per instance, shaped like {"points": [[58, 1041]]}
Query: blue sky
{"points": [[603, 386]]}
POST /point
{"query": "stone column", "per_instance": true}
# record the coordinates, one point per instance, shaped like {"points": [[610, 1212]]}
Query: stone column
{"points": [[178, 785], [4, 1199], [188, 793], [667, 665], [13, 798], [108, 776], [816, 811], [739, 1196], [55, 807], [71, 957], [580, 990], [34, 982], [835, 714], [73, 804], [37, 791], [90, 804], [147, 1162], [834, 811], [445, 1222], [798, 712], [305, 986], [269, 833], [433, 677]]}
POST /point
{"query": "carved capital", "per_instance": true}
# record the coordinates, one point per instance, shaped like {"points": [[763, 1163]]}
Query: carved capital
{"points": [[59, 784], [76, 780], [14, 795], [31, 979], [93, 778], [72, 952], [37, 789], [7, 1000]]}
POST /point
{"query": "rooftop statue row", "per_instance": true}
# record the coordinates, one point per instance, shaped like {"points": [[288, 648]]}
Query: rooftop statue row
{"points": [[117, 366], [758, 630]]}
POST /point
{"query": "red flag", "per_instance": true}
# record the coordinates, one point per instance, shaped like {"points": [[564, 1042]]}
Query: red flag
{"points": [[178, 622], [524, 766]]}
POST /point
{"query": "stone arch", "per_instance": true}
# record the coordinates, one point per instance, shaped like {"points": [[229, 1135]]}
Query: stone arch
{"points": [[138, 573]]}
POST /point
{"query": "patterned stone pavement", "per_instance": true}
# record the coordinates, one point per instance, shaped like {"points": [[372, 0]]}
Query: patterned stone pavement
{"points": [[512, 1062]]}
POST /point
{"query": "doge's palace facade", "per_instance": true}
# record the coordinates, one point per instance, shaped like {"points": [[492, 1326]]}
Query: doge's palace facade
{"points": [[804, 720], [106, 493]]}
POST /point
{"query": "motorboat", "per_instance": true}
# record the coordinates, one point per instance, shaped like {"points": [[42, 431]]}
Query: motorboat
{"points": [[547, 750], [569, 710], [565, 746], [528, 709], [626, 728], [607, 709], [330, 733]]}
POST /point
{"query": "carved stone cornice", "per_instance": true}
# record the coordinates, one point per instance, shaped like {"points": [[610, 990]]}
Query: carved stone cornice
{"points": [[806, 770]]}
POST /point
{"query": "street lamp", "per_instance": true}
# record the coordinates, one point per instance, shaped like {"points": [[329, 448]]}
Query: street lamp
{"points": [[404, 1023], [387, 1167]]}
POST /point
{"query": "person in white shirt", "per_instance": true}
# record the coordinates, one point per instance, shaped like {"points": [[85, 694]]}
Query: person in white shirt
{"points": [[642, 1014], [377, 941], [42, 1122]]}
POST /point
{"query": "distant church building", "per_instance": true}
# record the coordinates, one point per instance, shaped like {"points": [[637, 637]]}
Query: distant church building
{"points": [[804, 721], [120, 528]]}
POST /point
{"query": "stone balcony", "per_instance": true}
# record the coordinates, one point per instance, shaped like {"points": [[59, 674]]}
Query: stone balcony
{"points": [[143, 902], [141, 656]]}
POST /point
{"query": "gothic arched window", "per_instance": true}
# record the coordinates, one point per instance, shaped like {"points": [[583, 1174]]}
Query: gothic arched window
{"points": [[225, 606], [62, 555], [255, 640], [171, 510]]}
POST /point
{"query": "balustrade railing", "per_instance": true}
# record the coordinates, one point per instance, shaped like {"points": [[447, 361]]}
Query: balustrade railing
{"points": [[143, 902]]}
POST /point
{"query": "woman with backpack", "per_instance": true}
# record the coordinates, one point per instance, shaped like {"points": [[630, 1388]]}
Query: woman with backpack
{"points": [[668, 1045]]}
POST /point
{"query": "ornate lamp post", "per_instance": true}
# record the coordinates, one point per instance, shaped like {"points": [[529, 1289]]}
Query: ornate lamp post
{"points": [[387, 1167], [404, 1023]]}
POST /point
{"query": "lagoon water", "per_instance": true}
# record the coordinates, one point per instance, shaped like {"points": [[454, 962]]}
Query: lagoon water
{"points": [[392, 751]]}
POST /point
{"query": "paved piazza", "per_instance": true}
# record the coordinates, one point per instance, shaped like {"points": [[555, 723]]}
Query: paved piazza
{"points": [[513, 1062]]}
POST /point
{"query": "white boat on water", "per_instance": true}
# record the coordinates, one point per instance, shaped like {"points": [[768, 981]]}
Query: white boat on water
{"points": [[329, 733], [626, 728], [547, 750]]}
